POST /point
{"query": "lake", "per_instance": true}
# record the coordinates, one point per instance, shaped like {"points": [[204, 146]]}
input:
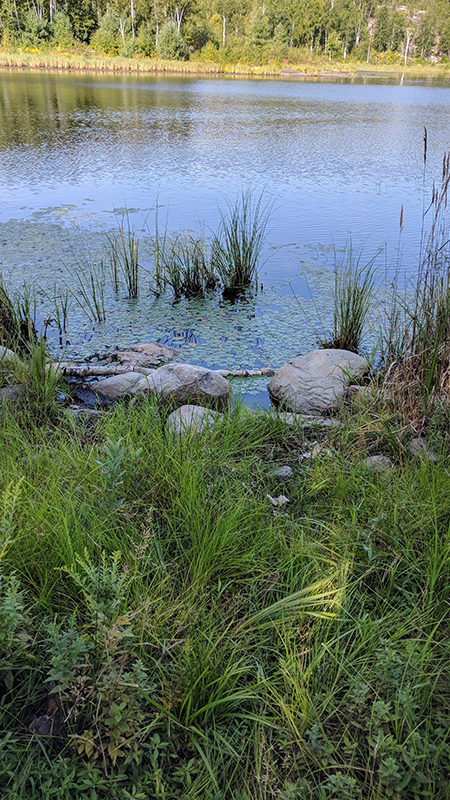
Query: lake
{"points": [[338, 158]]}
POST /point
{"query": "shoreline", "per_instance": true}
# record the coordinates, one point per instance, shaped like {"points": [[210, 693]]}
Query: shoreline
{"points": [[64, 62]]}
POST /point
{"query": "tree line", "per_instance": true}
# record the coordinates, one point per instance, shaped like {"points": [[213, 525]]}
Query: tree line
{"points": [[231, 30]]}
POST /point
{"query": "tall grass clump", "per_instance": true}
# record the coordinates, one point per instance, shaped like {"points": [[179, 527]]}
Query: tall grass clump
{"points": [[124, 259], [353, 293], [236, 247], [17, 318], [42, 381], [419, 371], [185, 265], [88, 289]]}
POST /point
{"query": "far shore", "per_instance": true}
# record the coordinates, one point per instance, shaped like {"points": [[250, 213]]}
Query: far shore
{"points": [[318, 67]]}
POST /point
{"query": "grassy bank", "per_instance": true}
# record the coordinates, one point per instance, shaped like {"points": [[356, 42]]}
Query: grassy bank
{"points": [[308, 66], [166, 631]]}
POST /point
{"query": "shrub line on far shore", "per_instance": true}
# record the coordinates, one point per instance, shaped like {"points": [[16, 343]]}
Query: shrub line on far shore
{"points": [[101, 63]]}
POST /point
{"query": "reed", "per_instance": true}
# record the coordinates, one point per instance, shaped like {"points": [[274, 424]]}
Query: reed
{"points": [[89, 292], [17, 317], [124, 258], [236, 247], [353, 294], [186, 266], [418, 342]]}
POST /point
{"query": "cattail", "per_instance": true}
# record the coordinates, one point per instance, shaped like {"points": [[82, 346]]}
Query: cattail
{"points": [[425, 142]]}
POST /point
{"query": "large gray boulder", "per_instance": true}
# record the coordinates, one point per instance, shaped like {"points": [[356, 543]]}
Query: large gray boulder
{"points": [[118, 386], [187, 384], [191, 420], [315, 383]]}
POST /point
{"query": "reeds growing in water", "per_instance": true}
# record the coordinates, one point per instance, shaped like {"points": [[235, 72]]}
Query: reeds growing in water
{"points": [[236, 247]]}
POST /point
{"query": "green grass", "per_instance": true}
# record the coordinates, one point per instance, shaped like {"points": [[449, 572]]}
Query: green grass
{"points": [[236, 247], [199, 644]]}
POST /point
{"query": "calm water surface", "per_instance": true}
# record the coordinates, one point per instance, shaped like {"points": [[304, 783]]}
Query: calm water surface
{"points": [[338, 159]]}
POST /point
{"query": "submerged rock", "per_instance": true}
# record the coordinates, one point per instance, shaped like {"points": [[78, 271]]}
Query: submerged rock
{"points": [[191, 419], [183, 384], [315, 383], [147, 353]]}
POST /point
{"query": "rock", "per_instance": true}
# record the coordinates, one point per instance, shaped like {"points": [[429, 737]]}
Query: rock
{"points": [[11, 394], [378, 463], [308, 420], [281, 473], [281, 500], [184, 384], [146, 353], [419, 447], [191, 419], [316, 452], [79, 411], [315, 383], [118, 385], [46, 725], [7, 355]]}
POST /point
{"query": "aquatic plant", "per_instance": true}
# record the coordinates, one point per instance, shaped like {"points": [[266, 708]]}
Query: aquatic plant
{"points": [[124, 258], [353, 290], [89, 280], [237, 246], [417, 342], [185, 265], [17, 317]]}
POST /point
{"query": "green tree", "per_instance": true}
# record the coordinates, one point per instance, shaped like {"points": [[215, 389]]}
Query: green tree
{"points": [[170, 44], [107, 36], [34, 30], [83, 18], [61, 29], [259, 30]]}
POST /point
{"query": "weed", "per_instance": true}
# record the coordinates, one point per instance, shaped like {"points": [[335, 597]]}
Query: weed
{"points": [[236, 247], [353, 289], [124, 258], [185, 265], [42, 382]]}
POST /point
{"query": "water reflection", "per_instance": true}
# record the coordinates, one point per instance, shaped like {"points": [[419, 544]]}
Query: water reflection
{"points": [[338, 158]]}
